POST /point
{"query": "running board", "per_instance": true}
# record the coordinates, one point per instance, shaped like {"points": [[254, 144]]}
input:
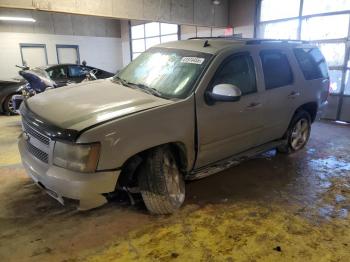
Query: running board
{"points": [[232, 161]]}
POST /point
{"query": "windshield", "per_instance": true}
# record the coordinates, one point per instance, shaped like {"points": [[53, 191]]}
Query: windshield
{"points": [[170, 72]]}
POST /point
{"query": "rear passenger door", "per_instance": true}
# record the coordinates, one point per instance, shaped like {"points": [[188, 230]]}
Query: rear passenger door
{"points": [[281, 93]]}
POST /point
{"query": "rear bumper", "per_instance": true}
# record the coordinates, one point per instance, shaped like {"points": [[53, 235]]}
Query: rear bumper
{"points": [[59, 182]]}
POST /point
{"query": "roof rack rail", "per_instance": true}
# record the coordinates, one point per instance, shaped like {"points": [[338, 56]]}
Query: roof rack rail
{"points": [[287, 41], [252, 41], [219, 37]]}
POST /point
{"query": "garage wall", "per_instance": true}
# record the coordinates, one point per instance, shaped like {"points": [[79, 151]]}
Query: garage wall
{"points": [[197, 12], [125, 35], [242, 17], [99, 39], [101, 52], [189, 31]]}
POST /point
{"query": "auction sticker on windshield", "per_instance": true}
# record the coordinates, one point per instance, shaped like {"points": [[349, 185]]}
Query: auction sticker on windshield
{"points": [[192, 60]]}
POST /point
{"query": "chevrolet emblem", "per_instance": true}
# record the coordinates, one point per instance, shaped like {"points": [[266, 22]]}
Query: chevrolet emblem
{"points": [[26, 136]]}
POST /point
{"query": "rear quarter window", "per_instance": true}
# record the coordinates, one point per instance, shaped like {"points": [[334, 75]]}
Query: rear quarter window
{"points": [[312, 63]]}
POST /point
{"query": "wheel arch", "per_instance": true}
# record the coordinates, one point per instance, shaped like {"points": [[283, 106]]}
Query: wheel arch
{"points": [[13, 90], [132, 164], [4, 99], [311, 108], [2, 103]]}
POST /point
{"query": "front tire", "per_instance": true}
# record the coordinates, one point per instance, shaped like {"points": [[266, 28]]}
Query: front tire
{"points": [[161, 182], [298, 133]]}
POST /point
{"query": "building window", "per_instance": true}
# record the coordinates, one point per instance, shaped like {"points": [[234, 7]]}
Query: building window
{"points": [[312, 7], [280, 30], [144, 36], [286, 9], [325, 27]]}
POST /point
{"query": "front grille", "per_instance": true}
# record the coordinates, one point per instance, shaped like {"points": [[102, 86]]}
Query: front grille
{"points": [[39, 154], [31, 131]]}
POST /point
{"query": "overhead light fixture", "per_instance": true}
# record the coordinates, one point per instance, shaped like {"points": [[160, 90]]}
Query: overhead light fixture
{"points": [[216, 2], [20, 19]]}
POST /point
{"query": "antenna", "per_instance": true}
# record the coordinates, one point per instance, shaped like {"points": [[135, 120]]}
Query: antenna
{"points": [[206, 44]]}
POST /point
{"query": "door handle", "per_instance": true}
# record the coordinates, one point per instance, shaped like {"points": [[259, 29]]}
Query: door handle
{"points": [[294, 94], [253, 105]]}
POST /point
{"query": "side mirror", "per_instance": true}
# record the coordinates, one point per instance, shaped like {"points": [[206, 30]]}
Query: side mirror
{"points": [[223, 93]]}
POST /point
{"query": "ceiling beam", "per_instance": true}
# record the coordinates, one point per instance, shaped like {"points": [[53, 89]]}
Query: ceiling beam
{"points": [[192, 12]]}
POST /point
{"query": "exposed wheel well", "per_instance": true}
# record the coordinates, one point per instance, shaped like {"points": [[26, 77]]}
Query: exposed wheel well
{"points": [[311, 108], [3, 106], [128, 175]]}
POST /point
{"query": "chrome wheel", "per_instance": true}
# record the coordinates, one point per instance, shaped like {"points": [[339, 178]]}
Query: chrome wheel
{"points": [[174, 183], [300, 134], [10, 106]]}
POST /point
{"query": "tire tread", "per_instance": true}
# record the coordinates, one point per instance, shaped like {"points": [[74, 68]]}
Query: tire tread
{"points": [[153, 185]]}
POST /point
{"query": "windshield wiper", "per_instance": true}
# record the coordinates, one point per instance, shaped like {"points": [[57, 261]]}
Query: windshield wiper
{"points": [[143, 87], [147, 89], [122, 81]]}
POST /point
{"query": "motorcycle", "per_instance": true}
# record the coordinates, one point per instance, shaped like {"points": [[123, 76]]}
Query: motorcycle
{"points": [[39, 82]]}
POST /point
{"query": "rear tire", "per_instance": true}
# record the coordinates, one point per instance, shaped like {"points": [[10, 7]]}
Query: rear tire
{"points": [[298, 133], [161, 183], [8, 106]]}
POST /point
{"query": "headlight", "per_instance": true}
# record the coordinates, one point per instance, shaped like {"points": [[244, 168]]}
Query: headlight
{"points": [[77, 157]]}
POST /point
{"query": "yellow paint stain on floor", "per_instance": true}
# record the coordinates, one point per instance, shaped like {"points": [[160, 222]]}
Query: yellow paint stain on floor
{"points": [[235, 233], [10, 157]]}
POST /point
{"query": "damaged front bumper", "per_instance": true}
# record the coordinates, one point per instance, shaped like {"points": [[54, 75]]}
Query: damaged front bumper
{"points": [[62, 183]]}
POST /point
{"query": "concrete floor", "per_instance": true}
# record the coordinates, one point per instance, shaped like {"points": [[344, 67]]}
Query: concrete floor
{"points": [[271, 208]]}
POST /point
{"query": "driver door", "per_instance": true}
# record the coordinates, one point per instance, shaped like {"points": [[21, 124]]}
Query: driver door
{"points": [[228, 128]]}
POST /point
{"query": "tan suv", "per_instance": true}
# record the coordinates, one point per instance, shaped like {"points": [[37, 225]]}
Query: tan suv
{"points": [[181, 110]]}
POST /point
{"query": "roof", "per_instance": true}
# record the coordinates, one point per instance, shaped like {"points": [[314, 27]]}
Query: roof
{"points": [[215, 44], [44, 67], [197, 45]]}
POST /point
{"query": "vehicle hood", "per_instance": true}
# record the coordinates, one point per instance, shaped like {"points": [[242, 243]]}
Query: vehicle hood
{"points": [[12, 82], [83, 105]]}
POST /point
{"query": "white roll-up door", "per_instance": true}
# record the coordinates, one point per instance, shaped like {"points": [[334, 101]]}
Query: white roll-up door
{"points": [[34, 55], [67, 54]]}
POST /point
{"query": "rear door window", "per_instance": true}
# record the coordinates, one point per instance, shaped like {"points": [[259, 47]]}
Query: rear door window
{"points": [[311, 62], [276, 68]]}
